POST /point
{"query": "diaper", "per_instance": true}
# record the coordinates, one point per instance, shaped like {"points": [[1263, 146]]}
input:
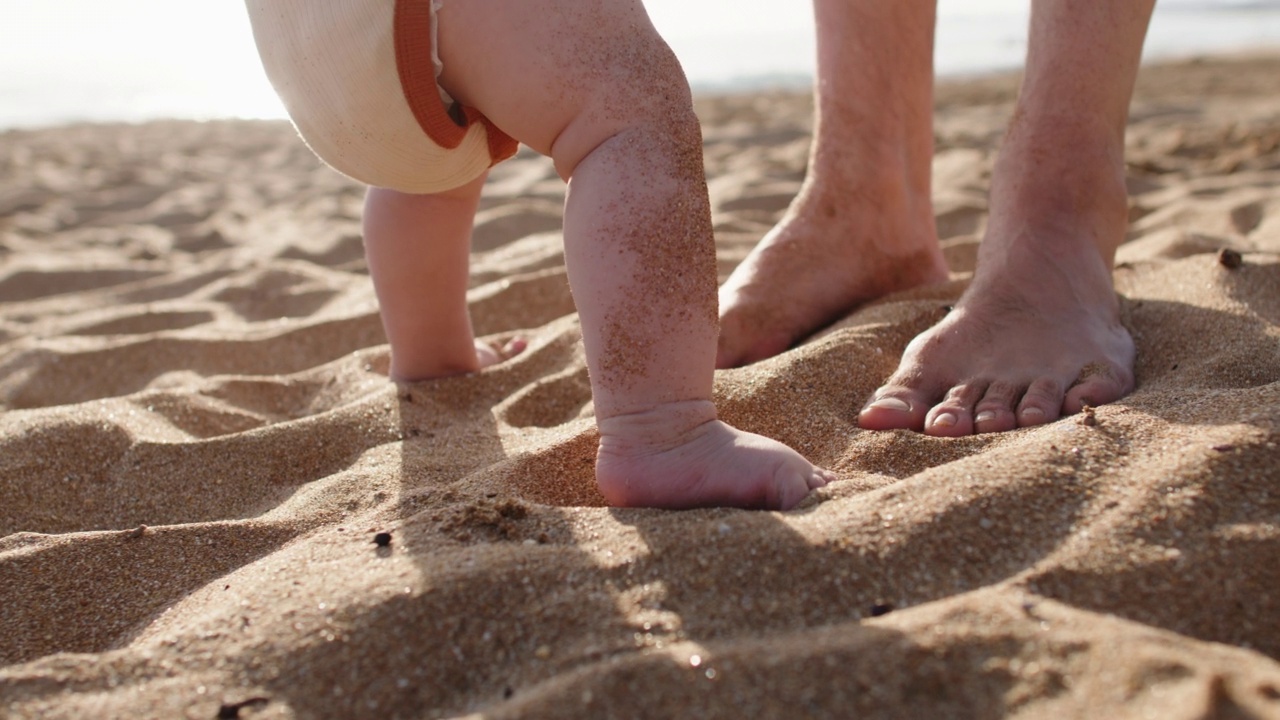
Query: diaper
{"points": [[358, 78]]}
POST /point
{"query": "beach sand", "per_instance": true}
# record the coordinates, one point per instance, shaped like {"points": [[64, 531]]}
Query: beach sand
{"points": [[199, 444]]}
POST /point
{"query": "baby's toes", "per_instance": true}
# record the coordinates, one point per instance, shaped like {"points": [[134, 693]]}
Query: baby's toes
{"points": [[790, 485], [820, 477], [514, 347], [490, 355]]}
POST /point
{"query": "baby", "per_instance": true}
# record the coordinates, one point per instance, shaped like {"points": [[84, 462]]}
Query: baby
{"points": [[418, 98]]}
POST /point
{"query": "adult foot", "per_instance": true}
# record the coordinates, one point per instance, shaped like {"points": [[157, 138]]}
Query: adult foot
{"points": [[673, 458], [1038, 333], [1011, 354], [828, 255]]}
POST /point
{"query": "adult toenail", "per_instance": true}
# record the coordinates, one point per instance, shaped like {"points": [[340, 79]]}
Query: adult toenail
{"points": [[891, 403], [1032, 412], [945, 419], [985, 415]]}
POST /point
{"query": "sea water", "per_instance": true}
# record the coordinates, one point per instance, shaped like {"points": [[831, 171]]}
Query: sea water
{"points": [[129, 60]]}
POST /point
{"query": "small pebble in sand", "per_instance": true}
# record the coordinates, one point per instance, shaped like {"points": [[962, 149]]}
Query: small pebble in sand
{"points": [[1229, 258], [382, 539], [1087, 416], [136, 532]]}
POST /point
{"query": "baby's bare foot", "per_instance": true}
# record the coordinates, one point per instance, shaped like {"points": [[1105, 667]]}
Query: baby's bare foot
{"points": [[432, 368], [678, 456], [825, 258], [489, 355]]}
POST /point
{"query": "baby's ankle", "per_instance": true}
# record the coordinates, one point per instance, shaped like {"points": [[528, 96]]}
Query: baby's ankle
{"points": [[656, 429]]}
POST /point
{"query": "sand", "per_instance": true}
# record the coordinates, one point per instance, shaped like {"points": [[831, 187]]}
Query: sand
{"points": [[199, 445]]}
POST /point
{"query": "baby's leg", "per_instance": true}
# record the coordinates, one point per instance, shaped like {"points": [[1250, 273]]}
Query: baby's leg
{"points": [[594, 86], [418, 247]]}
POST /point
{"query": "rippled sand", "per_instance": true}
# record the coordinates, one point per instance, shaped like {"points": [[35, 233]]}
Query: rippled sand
{"points": [[198, 444]]}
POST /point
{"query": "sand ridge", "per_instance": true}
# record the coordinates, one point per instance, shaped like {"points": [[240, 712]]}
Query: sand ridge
{"points": [[198, 446]]}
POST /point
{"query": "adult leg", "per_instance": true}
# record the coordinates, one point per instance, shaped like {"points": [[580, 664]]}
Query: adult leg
{"points": [[862, 225], [1038, 334]]}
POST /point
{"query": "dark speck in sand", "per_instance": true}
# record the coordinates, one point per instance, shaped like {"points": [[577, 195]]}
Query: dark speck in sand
{"points": [[1224, 448], [881, 608], [382, 539], [229, 711], [1229, 258]]}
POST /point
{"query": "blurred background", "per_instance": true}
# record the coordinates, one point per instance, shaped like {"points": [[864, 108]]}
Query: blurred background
{"points": [[74, 60]]}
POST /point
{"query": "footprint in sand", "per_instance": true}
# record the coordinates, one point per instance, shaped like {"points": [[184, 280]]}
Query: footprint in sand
{"points": [[23, 285], [144, 322]]}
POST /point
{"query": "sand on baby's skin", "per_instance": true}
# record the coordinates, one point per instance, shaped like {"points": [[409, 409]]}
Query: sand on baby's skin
{"points": [[189, 342]]}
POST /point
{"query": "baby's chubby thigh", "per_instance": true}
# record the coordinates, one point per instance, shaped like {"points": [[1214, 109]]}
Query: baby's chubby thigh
{"points": [[561, 76]]}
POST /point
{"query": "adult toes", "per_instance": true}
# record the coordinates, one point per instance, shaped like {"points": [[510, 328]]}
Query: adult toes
{"points": [[953, 416], [1041, 403], [995, 411], [1098, 384], [894, 407]]}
